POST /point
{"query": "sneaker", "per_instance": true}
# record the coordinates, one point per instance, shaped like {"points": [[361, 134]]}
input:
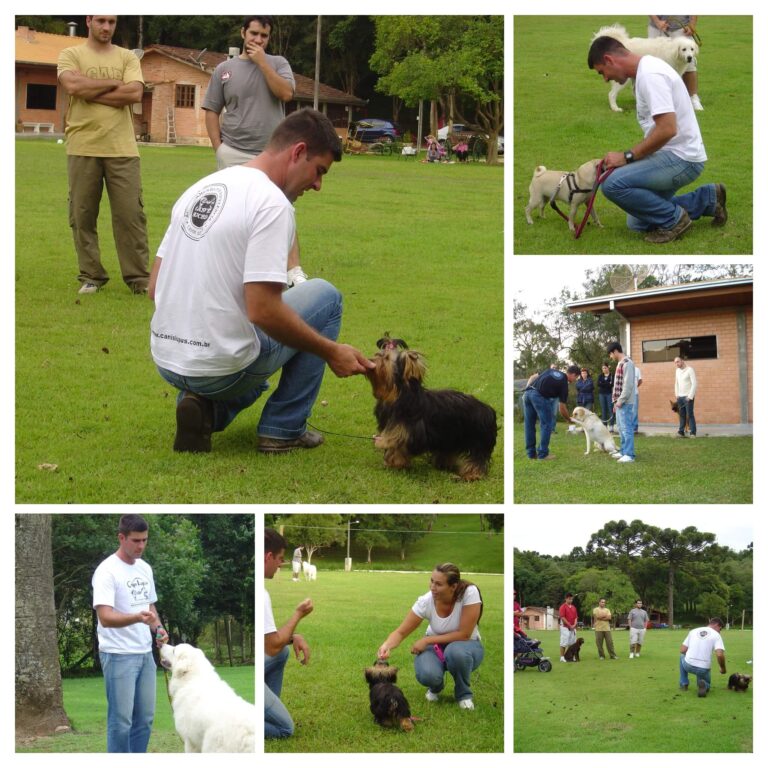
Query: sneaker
{"points": [[548, 457], [720, 215], [680, 434], [431, 696], [296, 275], [309, 439], [631, 655], [660, 236], [89, 288], [466, 704], [194, 424], [702, 689], [691, 435], [617, 455], [625, 460], [696, 102], [562, 658]]}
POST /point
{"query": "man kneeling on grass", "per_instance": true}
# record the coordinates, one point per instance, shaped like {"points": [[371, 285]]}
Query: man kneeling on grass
{"points": [[277, 720], [696, 655], [223, 323]]}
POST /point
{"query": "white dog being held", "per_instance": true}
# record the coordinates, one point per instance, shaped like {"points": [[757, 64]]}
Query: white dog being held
{"points": [[572, 187], [209, 715], [678, 52], [596, 432]]}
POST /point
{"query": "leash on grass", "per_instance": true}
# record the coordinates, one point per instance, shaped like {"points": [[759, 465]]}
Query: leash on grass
{"points": [[339, 434], [601, 175]]}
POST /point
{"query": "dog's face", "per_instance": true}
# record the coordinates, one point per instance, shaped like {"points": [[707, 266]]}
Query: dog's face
{"points": [[180, 659], [586, 174], [394, 367], [738, 682], [380, 673], [687, 50]]}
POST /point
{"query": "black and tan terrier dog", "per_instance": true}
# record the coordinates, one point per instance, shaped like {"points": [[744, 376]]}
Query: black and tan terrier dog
{"points": [[738, 682], [457, 430], [389, 706]]}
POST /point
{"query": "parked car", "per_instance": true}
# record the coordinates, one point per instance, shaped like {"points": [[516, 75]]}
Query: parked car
{"points": [[442, 135], [373, 129]]}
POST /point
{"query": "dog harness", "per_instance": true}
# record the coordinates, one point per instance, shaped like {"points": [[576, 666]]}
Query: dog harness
{"points": [[573, 188], [601, 175]]}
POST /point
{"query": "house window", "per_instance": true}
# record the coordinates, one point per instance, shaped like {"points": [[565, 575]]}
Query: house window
{"points": [[688, 348], [185, 95], [41, 96]]}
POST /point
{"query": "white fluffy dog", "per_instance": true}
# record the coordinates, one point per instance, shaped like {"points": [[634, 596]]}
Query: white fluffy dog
{"points": [[595, 431], [209, 715], [310, 572], [678, 52]]}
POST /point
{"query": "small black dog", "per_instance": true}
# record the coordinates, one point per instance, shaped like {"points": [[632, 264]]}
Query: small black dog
{"points": [[389, 706], [457, 430], [738, 682], [573, 651]]}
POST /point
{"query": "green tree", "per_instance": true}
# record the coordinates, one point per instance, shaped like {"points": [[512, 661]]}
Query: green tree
{"points": [[314, 531], [592, 584], [408, 528]]}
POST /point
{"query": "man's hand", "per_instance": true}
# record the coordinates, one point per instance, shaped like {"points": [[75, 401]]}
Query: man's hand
{"points": [[161, 636], [301, 649], [344, 360], [146, 617], [420, 645], [305, 607], [256, 54], [614, 160]]}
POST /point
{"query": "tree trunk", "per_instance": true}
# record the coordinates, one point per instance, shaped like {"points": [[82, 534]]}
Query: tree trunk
{"points": [[39, 702], [671, 596]]}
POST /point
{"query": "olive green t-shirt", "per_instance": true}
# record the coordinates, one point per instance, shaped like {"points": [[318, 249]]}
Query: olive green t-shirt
{"points": [[97, 130]]}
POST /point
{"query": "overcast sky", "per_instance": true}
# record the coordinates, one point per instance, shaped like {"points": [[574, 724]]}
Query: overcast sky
{"points": [[733, 528]]}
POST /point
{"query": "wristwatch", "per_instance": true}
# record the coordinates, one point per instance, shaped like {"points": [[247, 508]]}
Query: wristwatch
{"points": [[629, 156]]}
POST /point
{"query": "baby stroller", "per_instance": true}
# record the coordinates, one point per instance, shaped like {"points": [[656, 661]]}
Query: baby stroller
{"points": [[529, 654]]}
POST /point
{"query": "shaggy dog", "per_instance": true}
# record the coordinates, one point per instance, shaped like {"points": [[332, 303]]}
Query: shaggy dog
{"points": [[676, 408], [573, 651], [389, 706], [597, 434], [209, 716], [738, 682], [573, 188], [678, 52]]}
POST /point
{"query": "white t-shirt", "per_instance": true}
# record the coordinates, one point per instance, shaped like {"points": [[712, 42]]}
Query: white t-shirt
{"points": [[230, 228], [424, 608], [701, 643], [269, 618], [127, 589], [660, 90]]}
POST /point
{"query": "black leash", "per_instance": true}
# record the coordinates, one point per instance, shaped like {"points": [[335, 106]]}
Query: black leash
{"points": [[338, 434]]}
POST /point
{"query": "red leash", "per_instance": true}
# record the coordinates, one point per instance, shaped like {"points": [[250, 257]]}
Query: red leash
{"points": [[600, 177]]}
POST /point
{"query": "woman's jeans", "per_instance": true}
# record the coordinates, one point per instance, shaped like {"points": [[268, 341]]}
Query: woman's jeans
{"points": [[129, 679], [285, 414], [607, 415], [277, 721], [645, 190], [461, 659]]}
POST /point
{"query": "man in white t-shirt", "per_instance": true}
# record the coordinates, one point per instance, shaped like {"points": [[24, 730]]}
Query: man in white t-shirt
{"points": [[223, 324], [670, 156], [278, 723], [696, 655], [124, 599]]}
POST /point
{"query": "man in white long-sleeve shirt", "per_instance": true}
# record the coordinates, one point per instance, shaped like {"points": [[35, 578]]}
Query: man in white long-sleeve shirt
{"points": [[685, 392]]}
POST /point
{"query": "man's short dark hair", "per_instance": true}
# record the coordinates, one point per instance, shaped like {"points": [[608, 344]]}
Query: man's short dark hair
{"points": [[311, 127], [274, 542], [716, 620], [574, 369], [132, 524], [614, 346], [265, 21], [568, 594], [602, 46]]}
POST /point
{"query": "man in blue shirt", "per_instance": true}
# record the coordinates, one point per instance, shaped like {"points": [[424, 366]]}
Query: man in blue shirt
{"points": [[542, 392]]}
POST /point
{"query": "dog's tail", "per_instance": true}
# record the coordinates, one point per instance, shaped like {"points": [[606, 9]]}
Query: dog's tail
{"points": [[539, 170]]}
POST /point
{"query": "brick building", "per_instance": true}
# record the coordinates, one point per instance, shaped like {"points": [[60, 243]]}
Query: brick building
{"points": [[176, 80], [709, 325]]}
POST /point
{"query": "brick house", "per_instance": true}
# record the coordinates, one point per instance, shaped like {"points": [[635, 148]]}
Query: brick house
{"points": [[176, 80], [708, 324]]}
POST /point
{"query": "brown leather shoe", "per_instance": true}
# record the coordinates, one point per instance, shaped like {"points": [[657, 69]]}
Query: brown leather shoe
{"points": [[309, 439], [721, 212], [194, 424], [668, 235]]}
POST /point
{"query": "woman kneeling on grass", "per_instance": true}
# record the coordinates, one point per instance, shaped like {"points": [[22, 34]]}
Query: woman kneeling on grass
{"points": [[453, 608]]}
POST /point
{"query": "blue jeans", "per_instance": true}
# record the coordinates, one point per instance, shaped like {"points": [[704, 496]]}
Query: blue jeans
{"points": [[700, 672], [461, 659], [536, 406], [129, 679], [277, 720], [606, 410], [285, 415], [625, 420], [685, 406], [637, 411], [645, 190]]}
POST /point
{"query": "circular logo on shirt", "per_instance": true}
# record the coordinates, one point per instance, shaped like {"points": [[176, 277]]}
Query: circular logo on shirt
{"points": [[203, 210]]}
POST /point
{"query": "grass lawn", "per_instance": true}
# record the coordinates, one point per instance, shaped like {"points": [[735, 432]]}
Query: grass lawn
{"points": [[86, 706], [354, 613], [635, 705], [417, 250], [562, 119], [661, 473]]}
